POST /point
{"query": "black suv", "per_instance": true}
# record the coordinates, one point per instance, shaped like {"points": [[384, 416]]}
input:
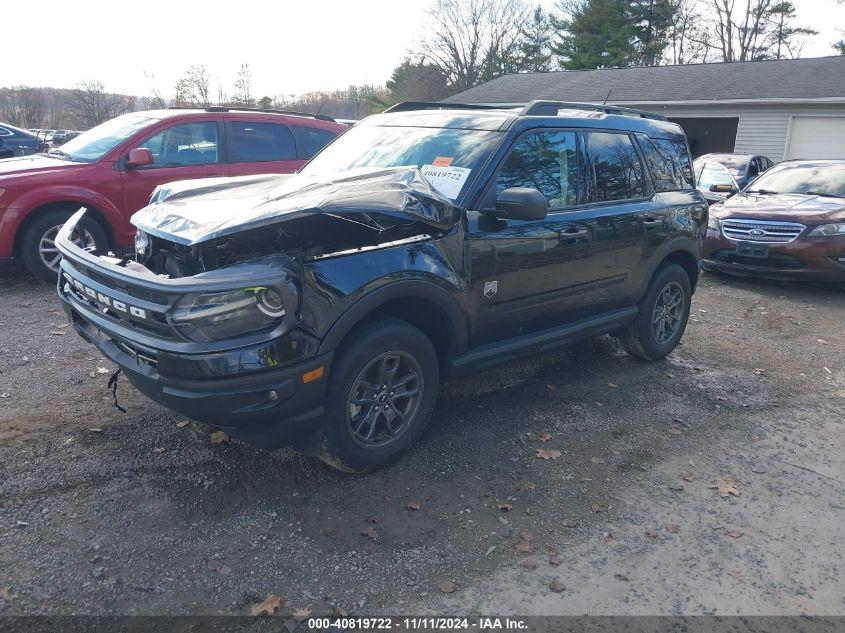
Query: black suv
{"points": [[323, 310]]}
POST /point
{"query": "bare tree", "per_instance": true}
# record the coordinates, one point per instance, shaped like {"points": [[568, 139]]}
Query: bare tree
{"points": [[23, 106], [471, 40], [689, 35], [92, 105], [741, 31], [243, 87], [194, 88]]}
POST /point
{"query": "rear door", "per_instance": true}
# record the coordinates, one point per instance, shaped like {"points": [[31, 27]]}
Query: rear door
{"points": [[261, 147], [180, 152], [622, 211]]}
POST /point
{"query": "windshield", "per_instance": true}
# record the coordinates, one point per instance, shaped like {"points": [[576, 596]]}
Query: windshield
{"points": [[713, 174], [814, 178], [446, 156], [93, 144]]}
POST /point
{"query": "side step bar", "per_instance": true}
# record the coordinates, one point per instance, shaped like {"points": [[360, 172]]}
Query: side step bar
{"points": [[537, 342]]}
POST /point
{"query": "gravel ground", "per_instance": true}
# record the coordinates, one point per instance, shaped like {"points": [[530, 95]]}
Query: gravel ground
{"points": [[139, 513]]}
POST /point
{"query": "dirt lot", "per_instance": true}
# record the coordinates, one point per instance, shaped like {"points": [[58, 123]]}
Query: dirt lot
{"points": [[102, 512]]}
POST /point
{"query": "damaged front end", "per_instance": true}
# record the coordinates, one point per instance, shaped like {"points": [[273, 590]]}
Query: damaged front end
{"points": [[208, 317], [198, 230]]}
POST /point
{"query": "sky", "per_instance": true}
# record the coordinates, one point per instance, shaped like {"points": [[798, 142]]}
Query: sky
{"points": [[291, 46]]}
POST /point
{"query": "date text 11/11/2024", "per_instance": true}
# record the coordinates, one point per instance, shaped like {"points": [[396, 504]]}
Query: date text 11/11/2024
{"points": [[418, 623]]}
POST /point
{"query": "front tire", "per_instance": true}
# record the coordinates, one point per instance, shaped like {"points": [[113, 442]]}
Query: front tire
{"points": [[38, 248], [382, 390], [662, 316]]}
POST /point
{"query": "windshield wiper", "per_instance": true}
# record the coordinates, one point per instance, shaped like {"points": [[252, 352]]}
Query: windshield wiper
{"points": [[765, 192], [60, 153], [822, 193]]}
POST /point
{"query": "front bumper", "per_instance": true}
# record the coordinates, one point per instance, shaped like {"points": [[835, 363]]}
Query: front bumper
{"points": [[256, 390], [811, 259]]}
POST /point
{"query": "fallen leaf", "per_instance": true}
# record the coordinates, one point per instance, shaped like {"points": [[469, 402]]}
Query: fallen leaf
{"points": [[553, 550], [548, 453], [182, 424], [554, 560], [504, 507], [6, 594], [674, 430], [545, 437], [530, 564], [269, 606], [557, 586], [736, 575], [733, 533], [370, 533], [597, 507], [755, 438], [527, 536], [102, 370], [447, 586], [340, 612], [523, 547], [726, 486], [673, 528], [220, 437], [413, 505], [688, 476], [651, 533], [529, 486], [301, 615]]}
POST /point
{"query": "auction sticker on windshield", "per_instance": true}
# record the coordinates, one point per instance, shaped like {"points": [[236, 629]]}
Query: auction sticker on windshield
{"points": [[448, 180]]}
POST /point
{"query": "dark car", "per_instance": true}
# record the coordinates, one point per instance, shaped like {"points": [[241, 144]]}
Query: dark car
{"points": [[787, 224], [112, 169], [743, 167], [322, 310], [17, 142]]}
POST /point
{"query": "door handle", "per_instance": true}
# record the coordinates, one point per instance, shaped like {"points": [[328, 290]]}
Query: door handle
{"points": [[652, 222], [572, 235]]}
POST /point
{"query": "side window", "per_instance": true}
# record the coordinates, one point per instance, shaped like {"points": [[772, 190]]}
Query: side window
{"points": [[5, 132], [616, 165], [311, 139], [714, 174], [185, 144], [251, 142], [663, 173], [546, 161], [677, 155]]}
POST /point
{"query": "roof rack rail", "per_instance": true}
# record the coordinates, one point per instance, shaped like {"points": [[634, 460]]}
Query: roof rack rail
{"points": [[407, 106], [550, 108], [321, 117]]}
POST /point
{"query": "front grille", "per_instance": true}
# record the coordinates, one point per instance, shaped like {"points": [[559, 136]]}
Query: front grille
{"points": [[768, 231], [780, 261]]}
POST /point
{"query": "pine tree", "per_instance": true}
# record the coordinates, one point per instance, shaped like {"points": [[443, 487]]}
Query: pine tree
{"points": [[595, 34], [535, 46]]}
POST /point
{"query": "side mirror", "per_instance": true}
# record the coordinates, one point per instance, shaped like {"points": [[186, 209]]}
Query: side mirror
{"points": [[723, 189], [521, 203], [139, 157]]}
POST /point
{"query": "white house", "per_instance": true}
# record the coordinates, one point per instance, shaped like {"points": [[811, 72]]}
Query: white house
{"points": [[781, 109]]}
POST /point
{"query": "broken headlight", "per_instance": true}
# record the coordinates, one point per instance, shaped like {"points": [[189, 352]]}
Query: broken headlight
{"points": [[216, 316]]}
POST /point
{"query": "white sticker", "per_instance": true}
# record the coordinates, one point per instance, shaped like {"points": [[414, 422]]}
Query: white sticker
{"points": [[447, 181]]}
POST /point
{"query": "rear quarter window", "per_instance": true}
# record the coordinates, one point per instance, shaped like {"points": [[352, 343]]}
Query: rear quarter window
{"points": [[669, 162], [311, 140]]}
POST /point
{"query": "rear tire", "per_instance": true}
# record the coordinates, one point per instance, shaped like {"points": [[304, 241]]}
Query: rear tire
{"points": [[662, 315], [37, 246], [382, 390]]}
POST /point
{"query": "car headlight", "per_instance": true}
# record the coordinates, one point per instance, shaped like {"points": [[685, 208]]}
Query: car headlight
{"points": [[142, 243], [220, 315], [828, 229], [713, 223]]}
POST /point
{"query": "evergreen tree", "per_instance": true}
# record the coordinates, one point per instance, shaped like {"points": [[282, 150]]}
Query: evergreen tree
{"points": [[535, 45], [594, 34], [651, 21], [786, 39]]}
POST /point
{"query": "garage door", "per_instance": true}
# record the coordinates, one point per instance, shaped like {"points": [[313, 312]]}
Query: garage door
{"points": [[817, 137]]}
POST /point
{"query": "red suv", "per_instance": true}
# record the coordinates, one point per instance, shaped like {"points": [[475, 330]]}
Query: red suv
{"points": [[113, 168]]}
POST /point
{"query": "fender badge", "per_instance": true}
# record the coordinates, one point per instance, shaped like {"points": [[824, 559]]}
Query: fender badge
{"points": [[490, 288]]}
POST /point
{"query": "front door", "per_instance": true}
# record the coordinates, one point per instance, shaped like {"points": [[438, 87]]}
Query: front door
{"points": [[180, 152], [528, 275]]}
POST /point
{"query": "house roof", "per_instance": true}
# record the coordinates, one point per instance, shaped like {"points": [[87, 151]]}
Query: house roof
{"points": [[819, 78]]}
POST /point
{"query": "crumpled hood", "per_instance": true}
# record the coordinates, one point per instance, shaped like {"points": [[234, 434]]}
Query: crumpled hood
{"points": [[382, 199], [789, 207]]}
